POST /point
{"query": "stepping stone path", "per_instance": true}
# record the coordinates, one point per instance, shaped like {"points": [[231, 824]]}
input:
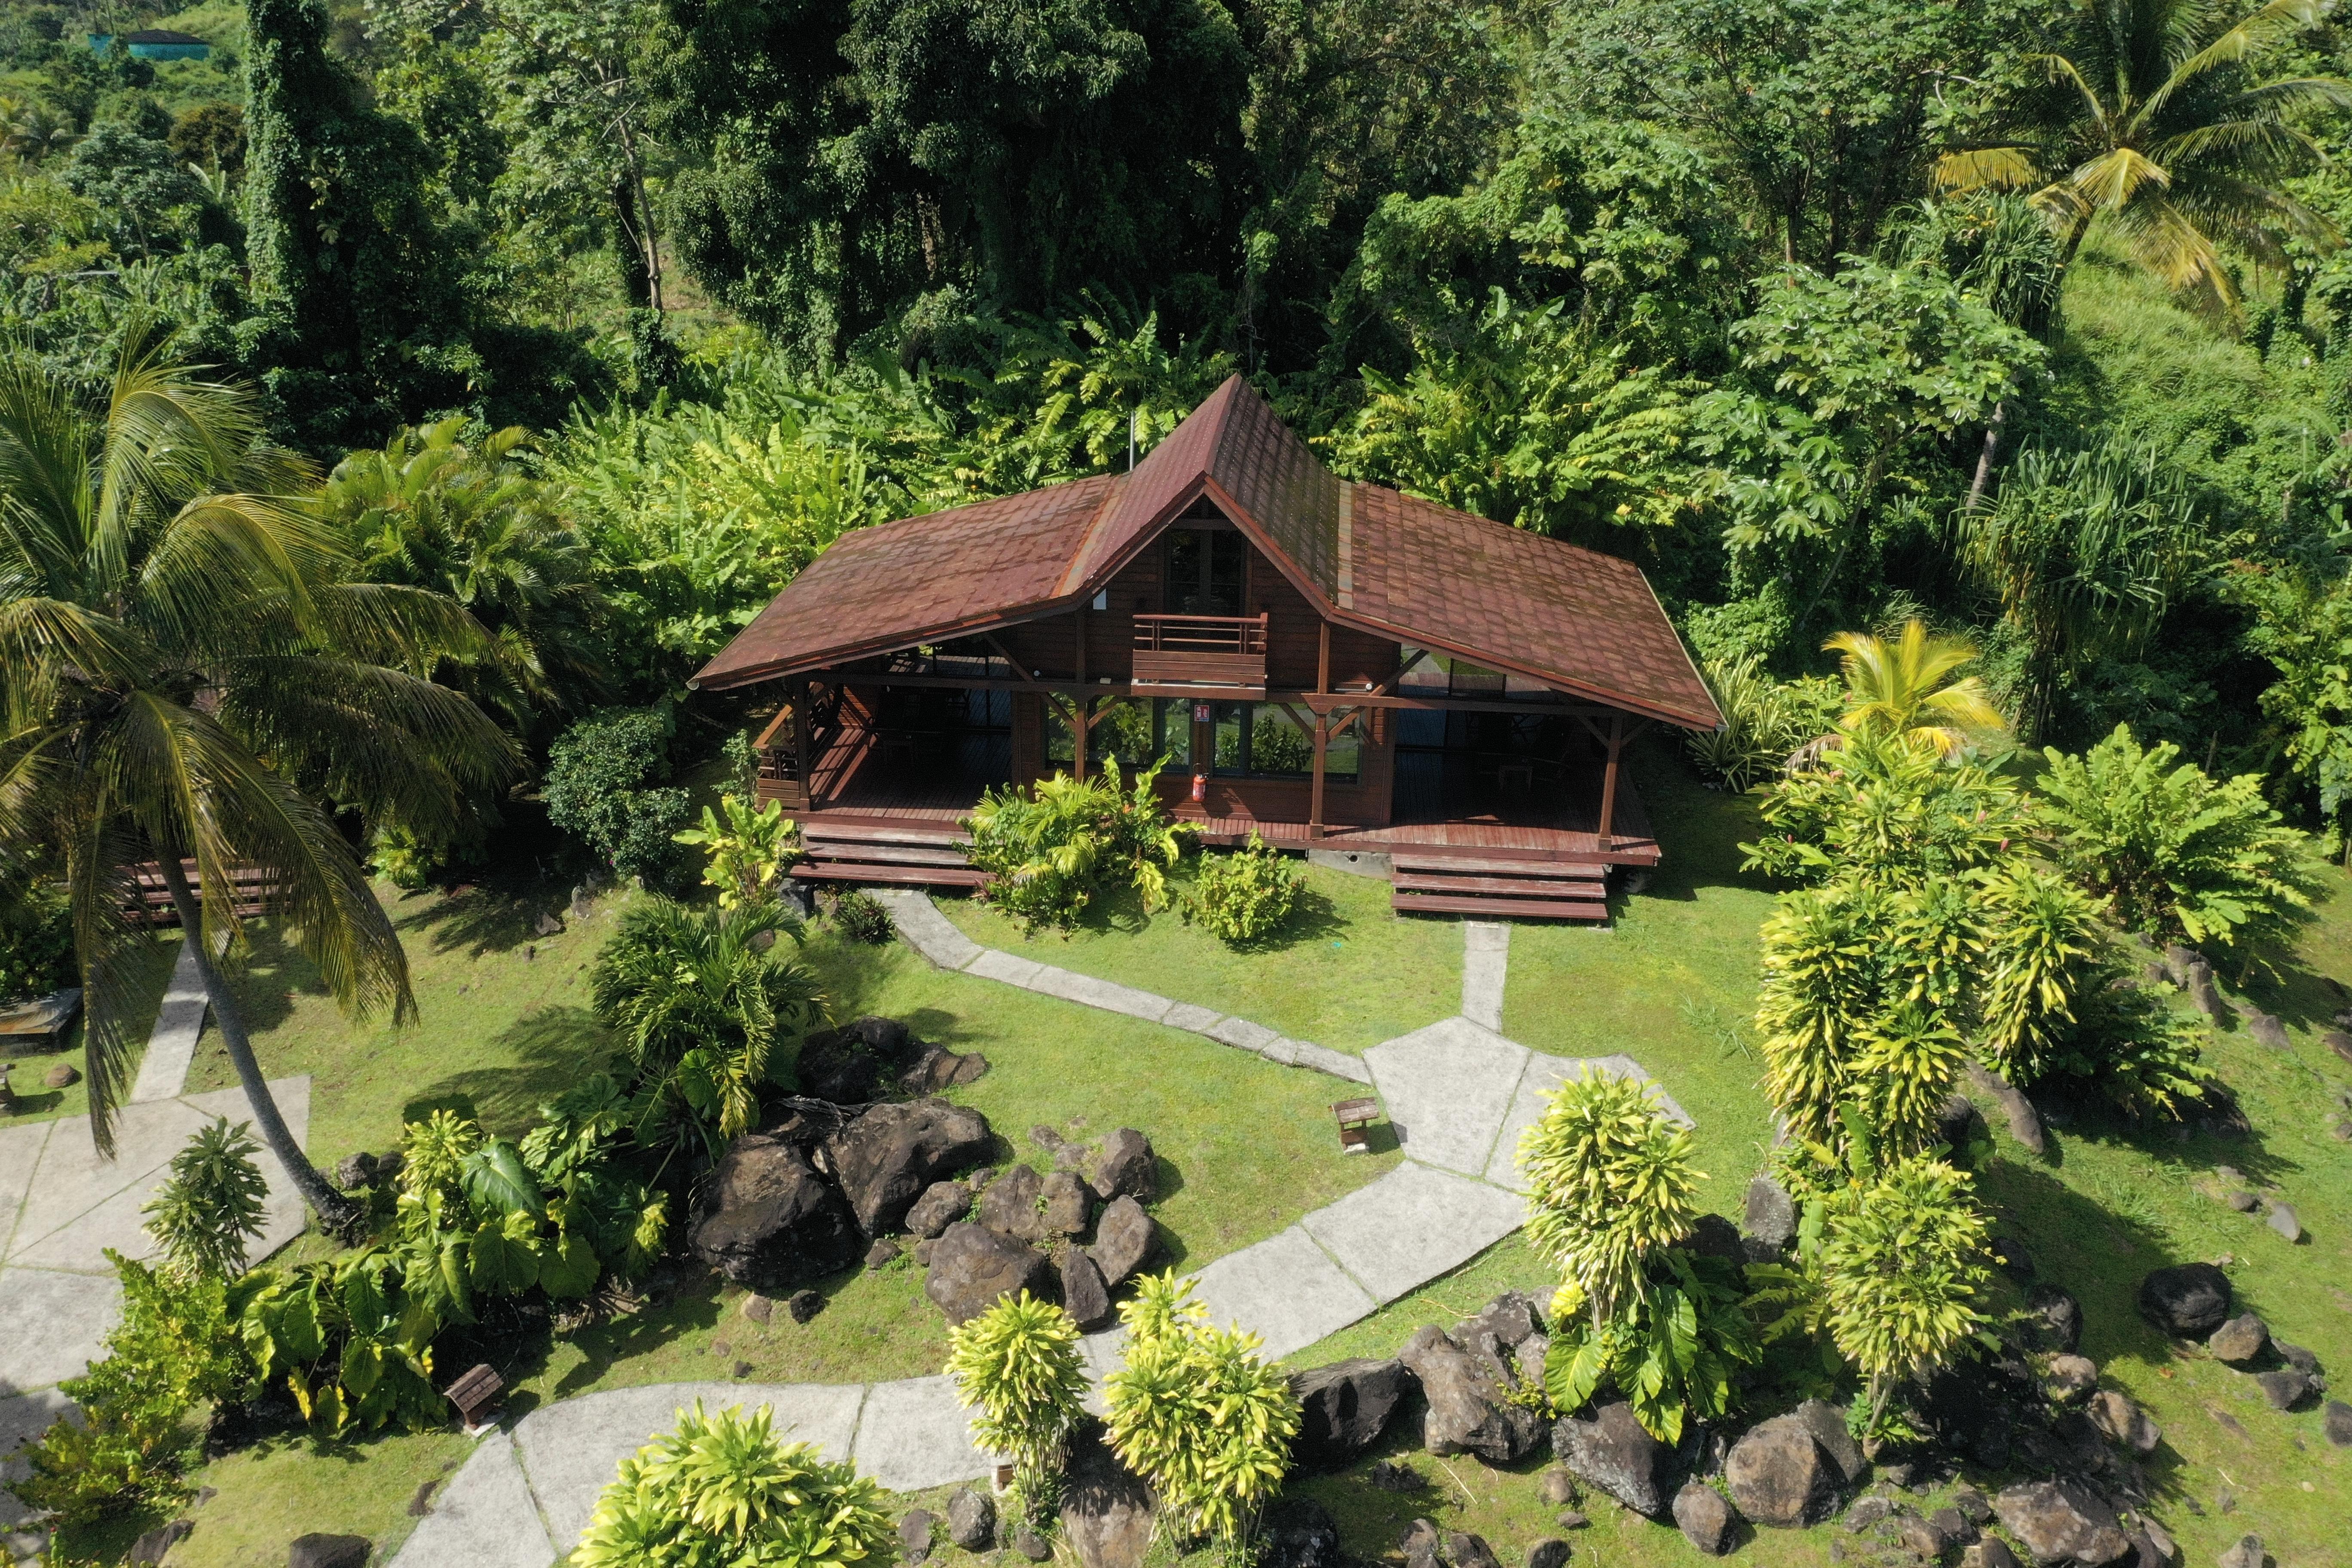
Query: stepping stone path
{"points": [[1458, 1094]]}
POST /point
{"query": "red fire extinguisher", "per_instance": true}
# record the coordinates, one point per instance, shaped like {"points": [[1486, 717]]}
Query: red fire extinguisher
{"points": [[1199, 788]]}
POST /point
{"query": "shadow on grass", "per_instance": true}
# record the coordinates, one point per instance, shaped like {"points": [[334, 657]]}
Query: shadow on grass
{"points": [[2087, 1248], [496, 916], [1699, 830], [605, 1345], [551, 1049]]}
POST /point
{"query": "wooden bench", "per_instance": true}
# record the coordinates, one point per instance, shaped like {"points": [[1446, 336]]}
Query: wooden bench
{"points": [[476, 1395], [1356, 1119]]}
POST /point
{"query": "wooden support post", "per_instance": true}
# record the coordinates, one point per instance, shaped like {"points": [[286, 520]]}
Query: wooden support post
{"points": [[1081, 713], [1079, 664], [1322, 657], [1315, 795], [804, 739], [1608, 783]]}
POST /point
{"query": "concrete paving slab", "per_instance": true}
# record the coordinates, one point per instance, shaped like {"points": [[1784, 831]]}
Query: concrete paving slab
{"points": [[1544, 1077], [1243, 1034], [1104, 1353], [1105, 995], [1281, 1050], [1285, 1290], [1339, 1064], [172, 1045], [571, 1449], [1195, 1019], [20, 1155], [283, 1217], [73, 1178], [81, 1246], [485, 1518], [912, 1435], [1448, 1089], [52, 1324], [1411, 1225], [1485, 960], [995, 965], [925, 929]]}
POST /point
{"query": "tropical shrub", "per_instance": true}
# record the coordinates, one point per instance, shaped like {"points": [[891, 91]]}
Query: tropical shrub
{"points": [[1610, 1184], [1244, 896], [608, 785], [720, 1491], [1888, 809], [696, 1001], [1018, 1364], [1903, 1264], [748, 845], [210, 1207], [2179, 857], [1053, 848], [1764, 721], [1198, 1416], [860, 916], [1900, 688], [36, 946], [172, 1351]]}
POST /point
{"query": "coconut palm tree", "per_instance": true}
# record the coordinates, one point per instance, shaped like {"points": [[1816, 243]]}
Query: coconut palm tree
{"points": [[1898, 687], [187, 670], [2150, 119]]}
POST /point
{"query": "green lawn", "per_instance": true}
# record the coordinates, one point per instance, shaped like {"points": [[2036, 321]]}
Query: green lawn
{"points": [[150, 972], [1346, 973]]}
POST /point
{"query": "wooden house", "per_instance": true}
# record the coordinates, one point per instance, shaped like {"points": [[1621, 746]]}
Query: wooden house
{"points": [[1337, 667]]}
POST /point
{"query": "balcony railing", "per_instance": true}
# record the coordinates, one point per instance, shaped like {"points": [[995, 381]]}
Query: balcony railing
{"points": [[1200, 656]]}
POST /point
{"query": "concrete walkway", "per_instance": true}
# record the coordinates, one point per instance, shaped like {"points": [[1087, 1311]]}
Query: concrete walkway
{"points": [[1458, 1094]]}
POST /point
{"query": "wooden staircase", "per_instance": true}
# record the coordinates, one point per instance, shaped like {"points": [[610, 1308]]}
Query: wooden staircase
{"points": [[908, 854], [1432, 882]]}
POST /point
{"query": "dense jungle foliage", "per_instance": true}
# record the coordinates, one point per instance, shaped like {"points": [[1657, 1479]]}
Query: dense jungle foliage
{"points": [[2028, 318]]}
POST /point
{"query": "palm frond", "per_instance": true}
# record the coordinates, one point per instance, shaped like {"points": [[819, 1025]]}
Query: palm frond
{"points": [[2176, 249], [1987, 168], [2113, 178]]}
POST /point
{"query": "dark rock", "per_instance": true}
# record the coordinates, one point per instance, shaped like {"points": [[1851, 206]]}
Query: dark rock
{"points": [[1992, 1552], [150, 1547], [880, 1253], [1418, 1543], [1105, 1510], [2243, 1202], [1921, 1536], [1031, 1544], [1467, 1410], [1123, 1240], [1510, 1318], [2201, 993], [937, 1069], [2151, 1547], [2241, 1340], [2297, 1357], [2246, 1553], [1868, 1512], [1769, 1214], [328, 1551], [1557, 1487], [354, 1172], [1300, 1533], [2176, 960], [1390, 1475], [1960, 1126], [1613, 1453], [2339, 1042], [64, 1075], [1126, 1168], [2282, 1220], [923, 1250], [2059, 1520], [1779, 1475], [915, 1534], [2119, 1420], [2015, 1260], [2265, 1029], [941, 1204], [2057, 1318], [1569, 1519], [803, 1305], [1067, 1155], [1552, 1551], [971, 1519], [1084, 1295], [1010, 1204], [1826, 1422], [973, 1267], [1343, 1409], [887, 1156], [2285, 1388], [2024, 1124], [1066, 1204], [1715, 1237], [768, 1221], [1974, 1506], [2188, 1303], [2071, 1377], [1705, 1518], [1955, 1527], [758, 1308], [2337, 1423], [1470, 1551]]}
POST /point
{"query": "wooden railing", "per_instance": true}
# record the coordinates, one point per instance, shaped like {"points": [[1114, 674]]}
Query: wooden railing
{"points": [[1200, 656]]}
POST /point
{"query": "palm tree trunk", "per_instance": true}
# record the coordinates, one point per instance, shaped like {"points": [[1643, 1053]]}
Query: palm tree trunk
{"points": [[335, 1211], [1984, 457]]}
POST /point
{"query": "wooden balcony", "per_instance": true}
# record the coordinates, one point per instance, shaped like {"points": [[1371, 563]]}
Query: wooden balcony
{"points": [[1214, 657]]}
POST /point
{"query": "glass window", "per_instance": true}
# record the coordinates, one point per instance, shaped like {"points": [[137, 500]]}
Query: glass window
{"points": [[1137, 733], [1261, 740], [1205, 569]]}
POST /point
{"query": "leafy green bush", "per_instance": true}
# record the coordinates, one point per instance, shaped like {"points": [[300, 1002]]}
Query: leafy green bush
{"points": [[211, 1205], [860, 916], [36, 945], [1244, 896], [607, 786], [721, 1491], [174, 1351], [1053, 848], [749, 846], [2180, 858], [1764, 719], [1199, 1417], [1018, 1363]]}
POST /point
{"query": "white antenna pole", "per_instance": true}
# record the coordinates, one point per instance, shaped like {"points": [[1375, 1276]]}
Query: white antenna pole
{"points": [[1132, 415]]}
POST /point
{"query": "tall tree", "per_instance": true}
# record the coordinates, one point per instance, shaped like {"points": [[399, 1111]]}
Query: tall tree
{"points": [[186, 672], [2150, 116]]}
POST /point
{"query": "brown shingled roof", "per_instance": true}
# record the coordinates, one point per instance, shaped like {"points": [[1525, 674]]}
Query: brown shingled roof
{"points": [[1428, 574]]}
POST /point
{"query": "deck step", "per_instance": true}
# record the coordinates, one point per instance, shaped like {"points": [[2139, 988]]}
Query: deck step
{"points": [[819, 830], [1419, 862], [1505, 887], [899, 854], [902, 876], [1499, 908]]}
